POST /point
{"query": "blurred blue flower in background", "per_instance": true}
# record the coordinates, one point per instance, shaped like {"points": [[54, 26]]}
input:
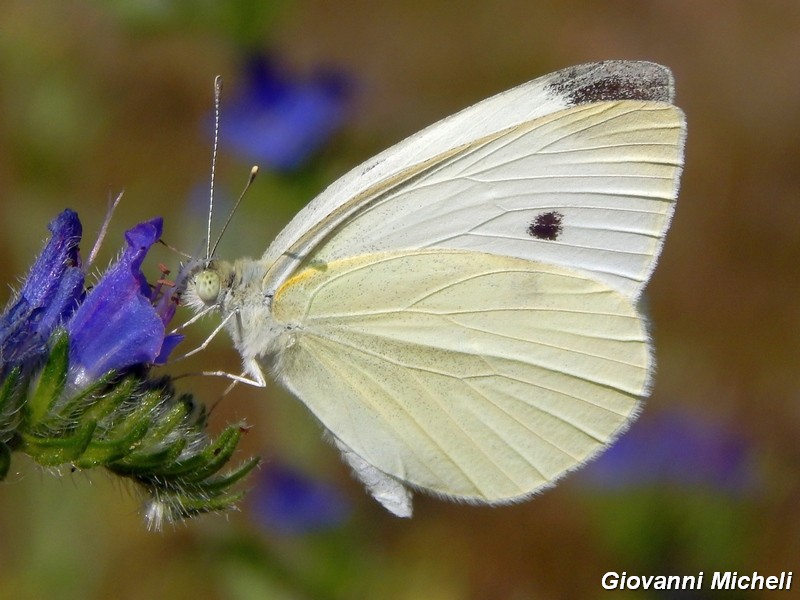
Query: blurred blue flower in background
{"points": [[279, 121], [678, 449], [287, 502], [674, 494]]}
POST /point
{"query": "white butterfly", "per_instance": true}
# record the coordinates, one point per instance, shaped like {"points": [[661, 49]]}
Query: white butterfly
{"points": [[459, 312]]}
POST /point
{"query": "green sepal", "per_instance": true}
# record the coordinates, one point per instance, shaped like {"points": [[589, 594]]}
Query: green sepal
{"points": [[209, 496], [54, 451], [216, 485], [8, 389], [135, 427], [209, 461], [186, 506], [47, 389], [142, 463], [173, 418], [105, 451], [90, 404], [10, 395]]}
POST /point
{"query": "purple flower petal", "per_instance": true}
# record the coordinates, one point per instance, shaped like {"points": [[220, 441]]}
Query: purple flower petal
{"points": [[117, 325], [51, 293], [282, 122], [169, 344]]}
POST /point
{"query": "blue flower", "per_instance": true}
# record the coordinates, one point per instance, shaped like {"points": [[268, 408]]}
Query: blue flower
{"points": [[676, 449], [122, 321], [288, 502], [74, 386], [52, 291], [279, 121]]}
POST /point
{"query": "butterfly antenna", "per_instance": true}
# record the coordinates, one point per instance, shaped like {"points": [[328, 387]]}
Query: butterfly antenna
{"points": [[175, 250], [253, 173], [217, 100]]}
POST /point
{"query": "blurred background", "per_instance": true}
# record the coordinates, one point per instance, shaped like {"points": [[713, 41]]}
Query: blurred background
{"points": [[96, 98]]}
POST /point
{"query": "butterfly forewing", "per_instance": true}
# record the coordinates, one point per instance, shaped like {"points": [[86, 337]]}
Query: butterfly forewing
{"points": [[594, 151], [605, 175], [471, 375]]}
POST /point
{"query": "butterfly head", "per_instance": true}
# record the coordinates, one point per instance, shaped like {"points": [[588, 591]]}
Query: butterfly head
{"points": [[206, 285]]}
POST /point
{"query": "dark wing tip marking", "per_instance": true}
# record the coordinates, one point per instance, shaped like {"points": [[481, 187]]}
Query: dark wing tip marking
{"points": [[613, 80], [546, 226]]}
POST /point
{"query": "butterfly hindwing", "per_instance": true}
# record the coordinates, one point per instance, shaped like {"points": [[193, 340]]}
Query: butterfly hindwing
{"points": [[474, 376]]}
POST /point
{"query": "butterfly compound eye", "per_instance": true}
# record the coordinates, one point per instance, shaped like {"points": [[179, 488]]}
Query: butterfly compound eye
{"points": [[207, 285]]}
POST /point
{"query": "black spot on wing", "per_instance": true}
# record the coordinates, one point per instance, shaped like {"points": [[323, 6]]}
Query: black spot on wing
{"points": [[613, 80], [546, 226]]}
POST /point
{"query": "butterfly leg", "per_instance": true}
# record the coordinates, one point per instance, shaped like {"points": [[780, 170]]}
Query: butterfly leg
{"points": [[251, 367], [255, 382], [195, 318], [207, 341], [243, 378]]}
